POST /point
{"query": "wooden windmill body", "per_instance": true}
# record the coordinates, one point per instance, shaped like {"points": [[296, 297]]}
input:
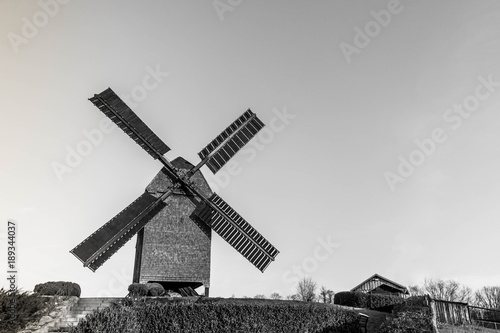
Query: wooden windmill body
{"points": [[173, 248], [174, 217]]}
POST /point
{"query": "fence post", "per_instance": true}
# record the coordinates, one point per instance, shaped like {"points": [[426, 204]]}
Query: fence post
{"points": [[432, 306]]}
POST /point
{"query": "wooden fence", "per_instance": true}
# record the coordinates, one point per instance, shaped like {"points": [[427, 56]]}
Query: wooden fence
{"points": [[455, 313], [488, 318]]}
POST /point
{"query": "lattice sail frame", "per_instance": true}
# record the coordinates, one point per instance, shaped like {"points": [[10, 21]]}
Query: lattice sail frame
{"points": [[218, 152], [116, 110], [238, 233]]}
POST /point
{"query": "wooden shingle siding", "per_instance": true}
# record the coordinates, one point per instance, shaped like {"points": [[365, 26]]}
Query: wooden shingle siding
{"points": [[175, 247]]}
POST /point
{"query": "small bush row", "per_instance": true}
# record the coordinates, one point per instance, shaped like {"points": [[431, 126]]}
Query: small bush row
{"points": [[208, 315], [59, 288], [367, 301], [147, 289]]}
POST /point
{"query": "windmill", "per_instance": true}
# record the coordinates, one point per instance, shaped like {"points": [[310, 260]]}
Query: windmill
{"points": [[174, 217]]}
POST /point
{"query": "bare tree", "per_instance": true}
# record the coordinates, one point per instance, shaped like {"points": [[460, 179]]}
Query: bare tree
{"points": [[260, 296], [292, 297], [275, 296], [326, 295], [416, 291], [306, 290], [488, 297], [449, 290]]}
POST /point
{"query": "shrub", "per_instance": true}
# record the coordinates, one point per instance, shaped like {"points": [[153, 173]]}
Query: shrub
{"points": [[368, 301], [59, 288], [155, 289], [414, 303], [216, 315], [408, 322], [349, 298], [413, 315], [377, 301], [137, 289], [28, 308]]}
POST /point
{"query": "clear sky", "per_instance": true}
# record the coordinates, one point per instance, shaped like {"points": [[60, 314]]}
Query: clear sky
{"points": [[381, 154]]}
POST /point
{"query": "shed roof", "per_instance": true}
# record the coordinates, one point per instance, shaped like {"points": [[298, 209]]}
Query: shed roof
{"points": [[383, 280]]}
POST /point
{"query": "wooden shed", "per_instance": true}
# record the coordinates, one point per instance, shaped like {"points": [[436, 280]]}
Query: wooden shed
{"points": [[378, 284]]}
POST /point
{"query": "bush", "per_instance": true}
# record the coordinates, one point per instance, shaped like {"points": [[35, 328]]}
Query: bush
{"points": [[28, 308], [413, 315], [408, 322], [155, 289], [59, 288], [137, 290], [367, 301], [349, 298], [216, 315], [377, 301], [413, 303]]}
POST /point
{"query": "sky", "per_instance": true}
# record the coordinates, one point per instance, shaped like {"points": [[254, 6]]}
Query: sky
{"points": [[380, 153]]}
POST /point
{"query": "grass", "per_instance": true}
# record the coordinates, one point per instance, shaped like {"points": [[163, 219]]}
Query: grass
{"points": [[443, 328]]}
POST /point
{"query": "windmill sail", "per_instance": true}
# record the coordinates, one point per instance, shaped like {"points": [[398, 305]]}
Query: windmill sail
{"points": [[116, 110], [104, 242], [238, 233], [230, 141], [213, 211]]}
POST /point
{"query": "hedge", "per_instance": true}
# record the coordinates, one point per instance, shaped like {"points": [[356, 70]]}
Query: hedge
{"points": [[155, 289], [407, 322], [412, 316], [20, 308], [367, 301], [215, 315], [137, 289], [59, 288]]}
